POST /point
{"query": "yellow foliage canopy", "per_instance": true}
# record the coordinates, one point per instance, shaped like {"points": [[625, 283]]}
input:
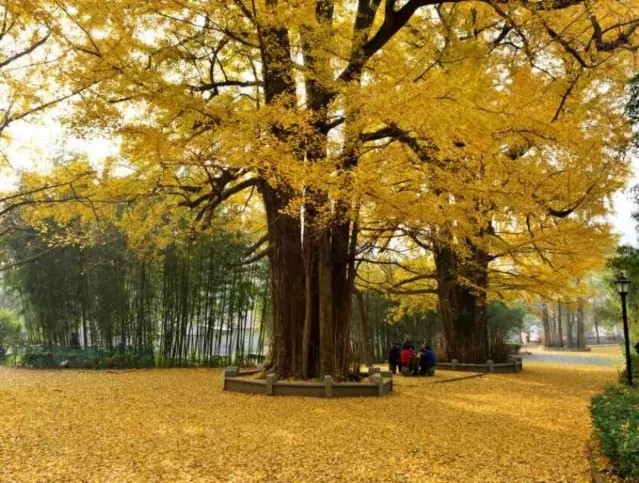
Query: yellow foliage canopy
{"points": [[492, 126]]}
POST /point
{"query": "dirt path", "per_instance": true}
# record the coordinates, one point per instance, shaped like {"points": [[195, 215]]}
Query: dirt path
{"points": [[603, 356], [567, 358]]}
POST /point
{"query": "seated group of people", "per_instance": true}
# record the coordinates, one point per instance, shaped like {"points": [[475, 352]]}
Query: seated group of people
{"points": [[417, 363]]}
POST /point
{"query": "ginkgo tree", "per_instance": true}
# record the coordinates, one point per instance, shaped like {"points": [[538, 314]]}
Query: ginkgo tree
{"points": [[521, 192], [27, 50], [475, 129], [23, 36]]}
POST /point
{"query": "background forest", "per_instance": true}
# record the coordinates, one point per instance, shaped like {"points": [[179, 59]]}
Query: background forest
{"points": [[197, 303]]}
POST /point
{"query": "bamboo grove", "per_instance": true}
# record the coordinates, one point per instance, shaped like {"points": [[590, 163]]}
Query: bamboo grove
{"points": [[464, 149], [194, 304]]}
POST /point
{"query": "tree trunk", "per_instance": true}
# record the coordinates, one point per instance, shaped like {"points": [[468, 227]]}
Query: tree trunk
{"points": [[595, 321], [312, 274], [365, 330], [328, 348], [343, 244], [570, 322], [310, 311], [545, 318], [462, 307], [287, 280], [581, 326], [560, 330]]}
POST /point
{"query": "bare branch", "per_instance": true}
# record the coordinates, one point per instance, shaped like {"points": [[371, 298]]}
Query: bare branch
{"points": [[251, 249], [27, 51], [228, 83], [255, 258]]}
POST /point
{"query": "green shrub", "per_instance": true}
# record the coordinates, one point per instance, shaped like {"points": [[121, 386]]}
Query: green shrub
{"points": [[28, 358], [615, 415], [513, 349], [500, 350], [120, 361]]}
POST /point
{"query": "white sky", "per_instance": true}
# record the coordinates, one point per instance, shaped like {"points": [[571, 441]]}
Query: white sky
{"points": [[34, 145], [623, 207]]}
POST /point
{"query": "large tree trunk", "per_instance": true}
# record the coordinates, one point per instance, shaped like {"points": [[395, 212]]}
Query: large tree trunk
{"points": [[311, 287], [312, 271], [365, 330], [462, 306], [287, 280]]}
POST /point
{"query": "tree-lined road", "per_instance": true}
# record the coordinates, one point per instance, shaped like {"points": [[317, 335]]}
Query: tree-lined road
{"points": [[596, 359]]}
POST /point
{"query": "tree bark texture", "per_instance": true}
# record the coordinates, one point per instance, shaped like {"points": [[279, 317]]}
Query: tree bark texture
{"points": [[560, 330], [312, 275], [462, 304], [545, 318], [581, 325], [570, 323]]}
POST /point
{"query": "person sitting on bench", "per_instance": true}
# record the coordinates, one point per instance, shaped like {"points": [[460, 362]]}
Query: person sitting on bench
{"points": [[407, 356], [426, 360], [395, 359]]}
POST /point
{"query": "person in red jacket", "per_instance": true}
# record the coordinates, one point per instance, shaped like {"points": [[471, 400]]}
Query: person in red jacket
{"points": [[407, 356]]}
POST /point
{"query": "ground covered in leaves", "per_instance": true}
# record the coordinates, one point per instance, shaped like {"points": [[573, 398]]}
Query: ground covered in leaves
{"points": [[177, 425]]}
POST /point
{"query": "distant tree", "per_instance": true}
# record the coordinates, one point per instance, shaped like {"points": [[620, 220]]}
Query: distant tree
{"points": [[504, 322], [632, 106]]}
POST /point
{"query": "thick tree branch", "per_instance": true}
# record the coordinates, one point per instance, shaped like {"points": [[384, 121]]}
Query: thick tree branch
{"points": [[252, 248], [218, 194], [565, 44], [227, 83], [255, 258], [394, 20], [621, 41], [9, 266]]}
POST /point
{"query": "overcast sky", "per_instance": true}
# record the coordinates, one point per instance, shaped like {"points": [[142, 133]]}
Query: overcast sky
{"points": [[622, 219]]}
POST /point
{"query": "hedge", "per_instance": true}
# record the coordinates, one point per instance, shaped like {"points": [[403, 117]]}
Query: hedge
{"points": [[615, 415]]}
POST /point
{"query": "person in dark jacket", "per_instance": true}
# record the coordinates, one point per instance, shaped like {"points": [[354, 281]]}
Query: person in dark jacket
{"points": [[426, 359], [394, 359], [637, 347]]}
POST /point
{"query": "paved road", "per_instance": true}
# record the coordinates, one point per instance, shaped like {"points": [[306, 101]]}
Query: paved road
{"points": [[571, 359]]}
